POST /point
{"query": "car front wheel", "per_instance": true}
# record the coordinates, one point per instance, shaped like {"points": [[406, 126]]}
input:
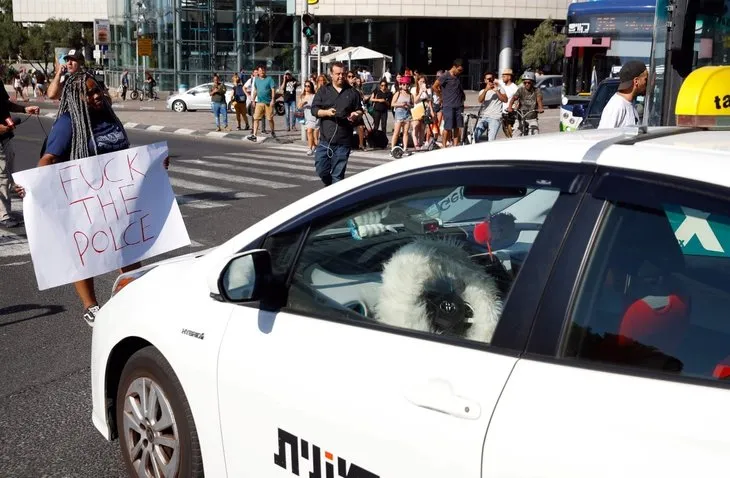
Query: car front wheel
{"points": [[178, 106], [157, 434]]}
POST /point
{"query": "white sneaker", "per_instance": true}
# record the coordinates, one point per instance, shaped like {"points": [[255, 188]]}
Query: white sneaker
{"points": [[310, 152], [90, 314]]}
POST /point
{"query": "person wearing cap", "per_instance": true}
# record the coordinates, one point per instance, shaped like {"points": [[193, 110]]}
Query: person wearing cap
{"points": [[621, 109], [74, 63], [288, 87]]}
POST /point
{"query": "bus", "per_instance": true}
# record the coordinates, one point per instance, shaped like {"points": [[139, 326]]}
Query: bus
{"points": [[601, 36], [672, 37]]}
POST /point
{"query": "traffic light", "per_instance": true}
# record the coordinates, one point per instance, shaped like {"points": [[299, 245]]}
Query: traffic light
{"points": [[308, 28]]}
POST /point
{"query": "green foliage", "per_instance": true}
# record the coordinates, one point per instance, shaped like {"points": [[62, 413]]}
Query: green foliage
{"points": [[11, 34], [536, 48], [41, 40]]}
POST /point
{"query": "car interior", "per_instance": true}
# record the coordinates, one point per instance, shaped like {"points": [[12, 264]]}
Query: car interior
{"points": [[343, 270], [648, 304]]}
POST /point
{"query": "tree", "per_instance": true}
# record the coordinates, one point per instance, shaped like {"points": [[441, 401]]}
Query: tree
{"points": [[41, 40], [545, 47], [11, 33]]}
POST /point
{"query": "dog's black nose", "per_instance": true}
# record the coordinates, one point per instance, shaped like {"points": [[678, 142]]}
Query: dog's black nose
{"points": [[448, 312]]}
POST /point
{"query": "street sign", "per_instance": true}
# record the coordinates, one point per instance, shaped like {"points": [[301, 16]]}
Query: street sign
{"points": [[101, 31], [144, 46]]}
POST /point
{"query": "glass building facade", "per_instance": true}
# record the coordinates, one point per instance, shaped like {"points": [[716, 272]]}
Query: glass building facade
{"points": [[192, 39]]}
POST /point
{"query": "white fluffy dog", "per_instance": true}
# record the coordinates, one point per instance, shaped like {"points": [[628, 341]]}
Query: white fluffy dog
{"points": [[433, 286]]}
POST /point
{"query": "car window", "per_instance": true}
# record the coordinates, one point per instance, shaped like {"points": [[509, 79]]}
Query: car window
{"points": [[437, 261], [201, 89], [604, 93], [656, 290]]}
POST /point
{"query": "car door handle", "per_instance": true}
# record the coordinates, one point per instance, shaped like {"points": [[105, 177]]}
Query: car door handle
{"points": [[438, 395]]}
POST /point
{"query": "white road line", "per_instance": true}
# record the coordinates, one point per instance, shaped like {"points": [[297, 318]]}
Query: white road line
{"points": [[13, 245], [276, 162], [15, 264], [310, 159], [209, 188], [130, 125], [155, 127], [233, 179], [183, 200], [217, 134], [354, 156], [265, 172], [303, 160], [184, 131]]}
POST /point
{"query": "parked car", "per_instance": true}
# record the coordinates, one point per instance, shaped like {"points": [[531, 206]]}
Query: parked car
{"points": [[591, 115], [551, 306], [197, 98], [552, 89]]}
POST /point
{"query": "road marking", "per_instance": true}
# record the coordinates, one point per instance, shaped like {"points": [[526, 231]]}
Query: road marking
{"points": [[276, 162], [233, 179], [50, 115], [184, 131], [355, 156], [217, 134], [209, 188], [155, 128], [13, 245], [130, 125], [306, 160], [15, 264], [267, 172], [183, 200]]}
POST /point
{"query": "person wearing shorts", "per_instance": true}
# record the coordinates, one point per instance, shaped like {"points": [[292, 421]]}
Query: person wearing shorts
{"points": [[453, 97], [402, 104], [264, 92]]}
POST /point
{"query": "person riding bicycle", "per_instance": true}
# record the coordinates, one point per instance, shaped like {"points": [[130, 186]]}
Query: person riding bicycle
{"points": [[530, 99]]}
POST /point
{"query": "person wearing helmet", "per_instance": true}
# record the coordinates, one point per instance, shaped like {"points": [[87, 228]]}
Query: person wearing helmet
{"points": [[530, 100], [401, 103]]}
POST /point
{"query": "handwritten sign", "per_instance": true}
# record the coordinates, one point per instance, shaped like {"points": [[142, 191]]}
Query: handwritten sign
{"points": [[94, 215]]}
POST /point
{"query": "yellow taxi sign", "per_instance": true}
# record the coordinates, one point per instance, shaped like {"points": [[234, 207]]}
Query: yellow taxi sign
{"points": [[704, 99]]}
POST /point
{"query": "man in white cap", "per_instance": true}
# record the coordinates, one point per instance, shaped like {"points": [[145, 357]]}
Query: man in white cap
{"points": [[74, 62], [620, 110]]}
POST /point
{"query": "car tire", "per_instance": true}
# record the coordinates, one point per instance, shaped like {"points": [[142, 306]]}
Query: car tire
{"points": [[179, 106], [141, 437]]}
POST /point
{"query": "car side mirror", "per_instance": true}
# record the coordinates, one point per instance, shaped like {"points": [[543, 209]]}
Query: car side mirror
{"points": [[243, 277]]}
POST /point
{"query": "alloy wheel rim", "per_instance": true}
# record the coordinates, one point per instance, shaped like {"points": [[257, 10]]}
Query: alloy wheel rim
{"points": [[150, 429]]}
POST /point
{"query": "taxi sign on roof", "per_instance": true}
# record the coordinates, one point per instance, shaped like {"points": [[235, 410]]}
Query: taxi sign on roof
{"points": [[704, 99]]}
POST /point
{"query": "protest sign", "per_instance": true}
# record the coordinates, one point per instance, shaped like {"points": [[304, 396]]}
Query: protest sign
{"points": [[94, 215]]}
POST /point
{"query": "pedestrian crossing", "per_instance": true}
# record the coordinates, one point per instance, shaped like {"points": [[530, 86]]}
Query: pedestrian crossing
{"points": [[215, 181]]}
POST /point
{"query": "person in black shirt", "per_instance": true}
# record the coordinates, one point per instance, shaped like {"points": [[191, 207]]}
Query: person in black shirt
{"points": [[339, 108], [381, 99], [7, 153], [289, 87]]}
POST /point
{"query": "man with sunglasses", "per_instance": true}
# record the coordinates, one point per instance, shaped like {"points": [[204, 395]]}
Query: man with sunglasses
{"points": [[492, 97], [530, 99], [453, 98]]}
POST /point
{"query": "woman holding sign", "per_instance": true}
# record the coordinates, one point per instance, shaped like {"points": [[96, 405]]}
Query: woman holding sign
{"points": [[86, 126]]}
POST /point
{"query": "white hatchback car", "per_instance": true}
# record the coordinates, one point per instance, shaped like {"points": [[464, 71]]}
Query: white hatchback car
{"points": [[197, 98], [554, 306]]}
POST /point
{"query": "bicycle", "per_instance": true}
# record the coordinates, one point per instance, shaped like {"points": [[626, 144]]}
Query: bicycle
{"points": [[467, 134], [523, 127]]}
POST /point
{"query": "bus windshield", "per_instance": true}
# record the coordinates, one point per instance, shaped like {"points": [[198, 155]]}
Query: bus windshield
{"points": [[603, 35]]}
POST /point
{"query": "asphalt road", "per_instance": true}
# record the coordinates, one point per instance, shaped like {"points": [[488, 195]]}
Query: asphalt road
{"points": [[45, 396], [223, 186]]}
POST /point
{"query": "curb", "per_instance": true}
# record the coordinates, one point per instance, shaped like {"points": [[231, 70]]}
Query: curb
{"points": [[152, 128]]}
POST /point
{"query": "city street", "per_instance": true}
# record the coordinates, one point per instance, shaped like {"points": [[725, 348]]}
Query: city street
{"points": [[222, 186]]}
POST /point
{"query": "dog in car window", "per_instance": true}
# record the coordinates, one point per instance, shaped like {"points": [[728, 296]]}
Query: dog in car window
{"points": [[433, 286]]}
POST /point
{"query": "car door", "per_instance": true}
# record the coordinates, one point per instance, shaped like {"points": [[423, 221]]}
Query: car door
{"points": [[626, 371], [357, 376], [201, 99]]}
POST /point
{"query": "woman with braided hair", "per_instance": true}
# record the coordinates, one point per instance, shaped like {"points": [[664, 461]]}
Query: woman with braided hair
{"points": [[86, 125]]}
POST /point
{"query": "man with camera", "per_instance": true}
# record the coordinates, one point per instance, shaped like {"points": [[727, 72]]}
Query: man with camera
{"points": [[339, 108], [7, 153]]}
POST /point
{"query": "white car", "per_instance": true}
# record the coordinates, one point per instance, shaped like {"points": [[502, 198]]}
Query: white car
{"points": [[553, 306], [197, 98]]}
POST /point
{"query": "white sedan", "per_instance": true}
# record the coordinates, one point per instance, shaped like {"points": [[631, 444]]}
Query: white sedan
{"points": [[461, 313], [197, 98]]}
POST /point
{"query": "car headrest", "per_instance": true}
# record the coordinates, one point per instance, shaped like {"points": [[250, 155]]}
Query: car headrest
{"points": [[657, 321], [722, 369]]}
